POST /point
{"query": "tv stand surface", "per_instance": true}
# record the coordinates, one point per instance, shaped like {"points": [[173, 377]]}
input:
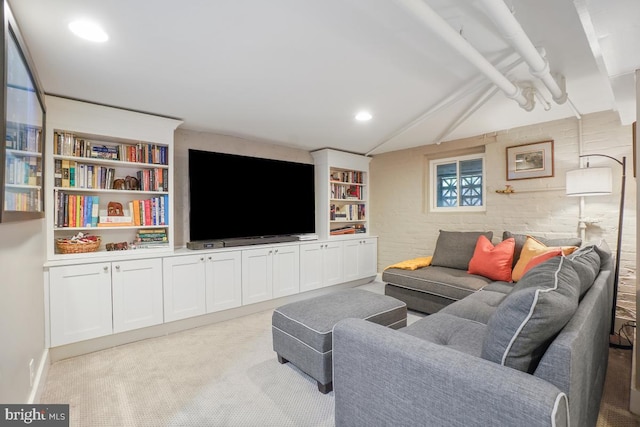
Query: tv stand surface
{"points": [[260, 240]]}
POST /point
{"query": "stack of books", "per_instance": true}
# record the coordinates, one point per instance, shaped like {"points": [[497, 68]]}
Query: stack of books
{"points": [[151, 238]]}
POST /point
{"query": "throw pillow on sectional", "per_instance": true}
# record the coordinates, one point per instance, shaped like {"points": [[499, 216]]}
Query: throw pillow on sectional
{"points": [[531, 248], [522, 238], [492, 262], [529, 317], [454, 249]]}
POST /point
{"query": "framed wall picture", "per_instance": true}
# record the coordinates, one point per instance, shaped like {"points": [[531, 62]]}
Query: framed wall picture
{"points": [[528, 161], [22, 121]]}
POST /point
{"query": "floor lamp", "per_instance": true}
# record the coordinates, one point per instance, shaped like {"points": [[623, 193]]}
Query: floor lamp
{"points": [[596, 182]]}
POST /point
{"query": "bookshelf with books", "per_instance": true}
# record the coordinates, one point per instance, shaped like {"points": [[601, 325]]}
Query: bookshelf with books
{"points": [[341, 193], [110, 175]]}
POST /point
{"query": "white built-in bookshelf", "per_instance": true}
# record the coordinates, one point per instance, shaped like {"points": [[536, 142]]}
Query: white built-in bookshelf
{"points": [[110, 175]]}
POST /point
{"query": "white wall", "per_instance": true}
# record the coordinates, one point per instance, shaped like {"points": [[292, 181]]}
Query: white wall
{"points": [[400, 214], [185, 139], [22, 255]]}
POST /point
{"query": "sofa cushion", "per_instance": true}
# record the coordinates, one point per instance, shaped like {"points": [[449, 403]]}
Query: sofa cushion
{"points": [[531, 248], [479, 306], [531, 315], [522, 238], [451, 283], [586, 262], [454, 332], [454, 249], [493, 262]]}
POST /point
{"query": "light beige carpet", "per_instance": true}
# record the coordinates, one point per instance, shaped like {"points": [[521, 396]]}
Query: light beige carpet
{"points": [[225, 374]]}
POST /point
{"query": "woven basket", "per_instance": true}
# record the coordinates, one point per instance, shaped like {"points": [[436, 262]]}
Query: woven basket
{"points": [[68, 246]]}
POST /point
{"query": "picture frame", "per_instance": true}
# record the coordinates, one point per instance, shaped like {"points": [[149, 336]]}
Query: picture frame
{"points": [[22, 121], [527, 161]]}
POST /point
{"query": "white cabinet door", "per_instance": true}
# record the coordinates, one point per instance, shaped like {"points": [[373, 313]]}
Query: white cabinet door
{"points": [[184, 286], [321, 264], [311, 266], [79, 302], [137, 294], [360, 258], [368, 258], [223, 280], [286, 270], [257, 275], [333, 263]]}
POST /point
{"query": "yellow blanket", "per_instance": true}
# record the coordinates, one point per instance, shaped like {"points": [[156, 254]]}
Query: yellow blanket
{"points": [[413, 264]]}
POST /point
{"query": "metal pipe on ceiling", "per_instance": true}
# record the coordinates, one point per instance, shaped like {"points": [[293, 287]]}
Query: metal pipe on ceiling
{"points": [[513, 32], [440, 27]]}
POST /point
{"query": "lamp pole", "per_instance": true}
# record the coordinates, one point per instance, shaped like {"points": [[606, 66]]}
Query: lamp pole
{"points": [[616, 275]]}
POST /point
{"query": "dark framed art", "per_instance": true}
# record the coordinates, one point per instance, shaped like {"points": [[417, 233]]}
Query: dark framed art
{"points": [[22, 122], [526, 161]]}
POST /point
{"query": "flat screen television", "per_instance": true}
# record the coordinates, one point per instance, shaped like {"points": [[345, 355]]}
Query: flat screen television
{"points": [[234, 196]]}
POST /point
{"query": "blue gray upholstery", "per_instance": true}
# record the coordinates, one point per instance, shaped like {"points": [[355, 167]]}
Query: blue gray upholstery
{"points": [[302, 330], [433, 372]]}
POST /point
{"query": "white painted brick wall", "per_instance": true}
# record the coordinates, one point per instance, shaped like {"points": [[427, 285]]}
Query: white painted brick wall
{"points": [[400, 216]]}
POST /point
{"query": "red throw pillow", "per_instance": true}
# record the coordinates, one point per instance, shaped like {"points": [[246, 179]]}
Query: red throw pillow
{"points": [[493, 262], [538, 259]]}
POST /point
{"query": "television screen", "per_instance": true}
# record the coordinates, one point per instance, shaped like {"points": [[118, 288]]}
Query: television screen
{"points": [[233, 196]]}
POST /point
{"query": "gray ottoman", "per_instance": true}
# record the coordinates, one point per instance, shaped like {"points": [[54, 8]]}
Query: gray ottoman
{"points": [[302, 330]]}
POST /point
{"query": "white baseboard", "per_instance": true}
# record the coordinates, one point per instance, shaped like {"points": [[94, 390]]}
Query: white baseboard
{"points": [[40, 377]]}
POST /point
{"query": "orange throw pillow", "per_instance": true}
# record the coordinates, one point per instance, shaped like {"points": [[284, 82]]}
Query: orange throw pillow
{"points": [[493, 262], [539, 259], [532, 248]]}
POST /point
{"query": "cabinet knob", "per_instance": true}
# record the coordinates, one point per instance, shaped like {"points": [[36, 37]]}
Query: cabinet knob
{"points": [[201, 258], [105, 268], [210, 258], [276, 251], [118, 267]]}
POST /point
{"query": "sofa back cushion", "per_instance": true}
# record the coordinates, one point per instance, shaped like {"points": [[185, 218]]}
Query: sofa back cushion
{"points": [[454, 249], [526, 321], [522, 238], [586, 261]]}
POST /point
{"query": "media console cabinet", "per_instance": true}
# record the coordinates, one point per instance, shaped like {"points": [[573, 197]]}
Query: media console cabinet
{"points": [[96, 304]]}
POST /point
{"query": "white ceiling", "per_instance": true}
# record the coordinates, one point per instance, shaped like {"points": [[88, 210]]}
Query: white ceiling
{"points": [[295, 72]]}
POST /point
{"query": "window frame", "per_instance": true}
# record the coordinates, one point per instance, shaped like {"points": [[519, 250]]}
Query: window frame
{"points": [[433, 184]]}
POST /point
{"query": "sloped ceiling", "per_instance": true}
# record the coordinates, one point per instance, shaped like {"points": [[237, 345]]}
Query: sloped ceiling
{"points": [[295, 72]]}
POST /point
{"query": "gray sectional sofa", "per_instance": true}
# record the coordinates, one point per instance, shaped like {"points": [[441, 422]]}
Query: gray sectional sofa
{"points": [[446, 280], [531, 353]]}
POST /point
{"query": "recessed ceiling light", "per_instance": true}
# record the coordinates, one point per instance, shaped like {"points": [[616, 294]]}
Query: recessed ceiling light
{"points": [[363, 116], [88, 31]]}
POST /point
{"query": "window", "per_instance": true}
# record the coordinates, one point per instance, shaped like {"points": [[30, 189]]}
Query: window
{"points": [[457, 184]]}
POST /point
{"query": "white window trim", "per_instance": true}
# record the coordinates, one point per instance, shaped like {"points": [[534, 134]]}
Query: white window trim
{"points": [[433, 184]]}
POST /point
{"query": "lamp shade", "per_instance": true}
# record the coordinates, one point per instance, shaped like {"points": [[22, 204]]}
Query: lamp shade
{"points": [[589, 182]]}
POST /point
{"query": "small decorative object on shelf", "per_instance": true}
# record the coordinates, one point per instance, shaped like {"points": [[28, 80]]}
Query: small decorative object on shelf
{"points": [[120, 246], [80, 243], [506, 190]]}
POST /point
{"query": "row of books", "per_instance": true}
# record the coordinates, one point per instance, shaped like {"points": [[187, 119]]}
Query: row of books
{"points": [[148, 238], [23, 170], [76, 210], [68, 144], [347, 192], [23, 137], [71, 174], [22, 200], [350, 229], [355, 177], [347, 212]]}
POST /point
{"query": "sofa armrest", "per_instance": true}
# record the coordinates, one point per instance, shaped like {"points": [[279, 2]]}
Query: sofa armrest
{"points": [[384, 377]]}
